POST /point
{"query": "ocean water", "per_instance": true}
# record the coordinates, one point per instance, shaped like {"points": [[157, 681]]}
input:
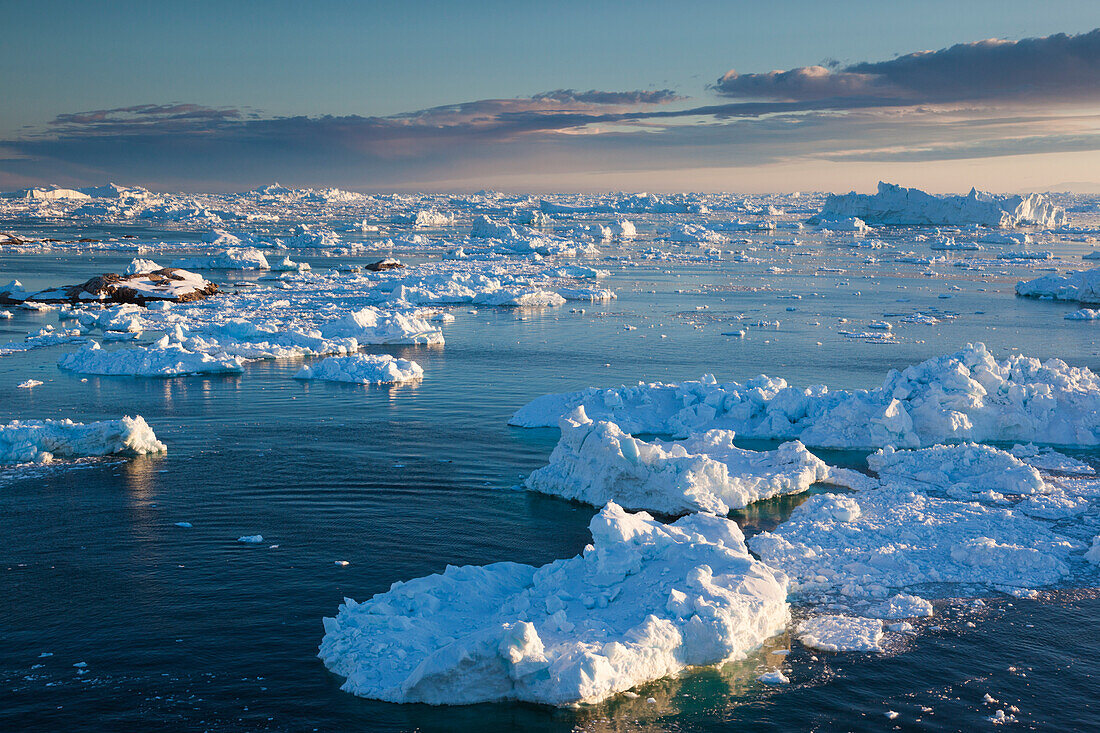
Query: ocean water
{"points": [[185, 628]]}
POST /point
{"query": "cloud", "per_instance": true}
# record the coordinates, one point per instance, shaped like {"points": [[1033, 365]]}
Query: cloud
{"points": [[969, 101], [1055, 68], [592, 96]]}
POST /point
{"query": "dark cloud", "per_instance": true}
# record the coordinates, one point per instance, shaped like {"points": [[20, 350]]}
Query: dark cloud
{"points": [[1057, 68], [143, 114], [941, 105], [592, 96]]}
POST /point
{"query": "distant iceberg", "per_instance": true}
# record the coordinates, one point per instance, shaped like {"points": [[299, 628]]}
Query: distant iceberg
{"points": [[897, 206], [1082, 286]]}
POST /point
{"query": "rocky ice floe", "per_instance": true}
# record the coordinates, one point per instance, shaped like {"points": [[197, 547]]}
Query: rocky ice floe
{"points": [[167, 284]]}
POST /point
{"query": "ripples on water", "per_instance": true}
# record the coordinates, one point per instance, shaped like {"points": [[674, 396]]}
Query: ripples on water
{"points": [[188, 629]]}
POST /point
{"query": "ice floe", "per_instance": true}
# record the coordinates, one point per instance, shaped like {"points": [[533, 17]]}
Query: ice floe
{"points": [[645, 600], [596, 462], [965, 396], [163, 359], [362, 369], [42, 441], [943, 520], [169, 284], [841, 634]]}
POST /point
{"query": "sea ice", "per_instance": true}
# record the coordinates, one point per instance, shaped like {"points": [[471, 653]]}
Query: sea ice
{"points": [[234, 258], [645, 600], [163, 359], [372, 326], [841, 634], [41, 441], [596, 462], [965, 396], [362, 369]]}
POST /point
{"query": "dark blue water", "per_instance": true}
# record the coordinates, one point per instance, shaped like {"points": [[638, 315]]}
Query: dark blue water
{"points": [[188, 629]]}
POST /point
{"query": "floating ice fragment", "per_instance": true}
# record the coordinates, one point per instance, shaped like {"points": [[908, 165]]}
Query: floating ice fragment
{"points": [[644, 601]]}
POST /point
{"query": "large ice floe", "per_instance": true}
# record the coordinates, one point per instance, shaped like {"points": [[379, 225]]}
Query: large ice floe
{"points": [[965, 396], [945, 520], [371, 326], [42, 441], [596, 462], [645, 600], [363, 369], [1082, 286], [894, 205], [164, 359]]}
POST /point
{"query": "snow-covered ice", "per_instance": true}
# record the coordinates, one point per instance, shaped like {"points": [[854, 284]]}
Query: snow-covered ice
{"points": [[841, 634], [596, 462], [41, 441], [163, 359], [965, 396], [894, 205], [645, 600], [362, 369]]}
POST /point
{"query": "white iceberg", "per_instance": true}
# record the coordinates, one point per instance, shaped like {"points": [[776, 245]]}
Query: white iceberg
{"points": [[234, 258], [363, 369], [596, 462], [372, 326], [1082, 286], [965, 396], [141, 267], [897, 206], [644, 601], [41, 441], [163, 359], [962, 470]]}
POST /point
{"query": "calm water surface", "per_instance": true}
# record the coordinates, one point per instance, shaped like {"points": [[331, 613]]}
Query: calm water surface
{"points": [[188, 629]]}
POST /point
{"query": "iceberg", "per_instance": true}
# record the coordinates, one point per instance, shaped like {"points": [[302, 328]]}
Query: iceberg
{"points": [[596, 462], [965, 396], [897, 206], [41, 441], [644, 601], [234, 258], [372, 326], [363, 369], [163, 359], [1082, 286]]}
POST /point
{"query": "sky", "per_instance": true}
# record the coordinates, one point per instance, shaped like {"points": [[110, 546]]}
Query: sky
{"points": [[565, 96]]}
